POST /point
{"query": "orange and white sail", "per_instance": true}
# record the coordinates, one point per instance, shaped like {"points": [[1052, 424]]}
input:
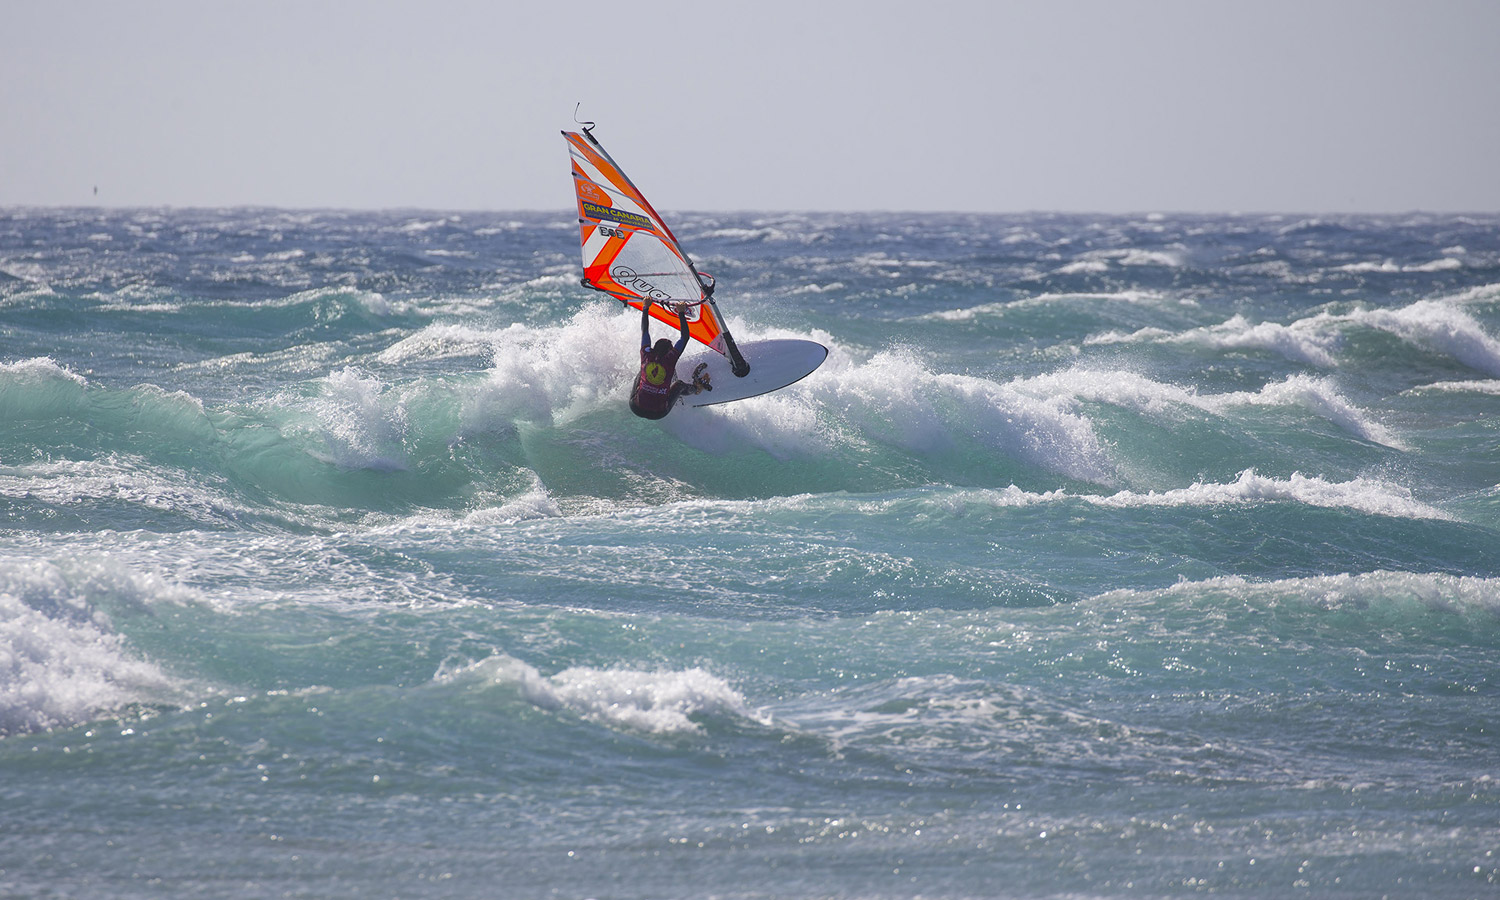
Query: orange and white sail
{"points": [[631, 254]]}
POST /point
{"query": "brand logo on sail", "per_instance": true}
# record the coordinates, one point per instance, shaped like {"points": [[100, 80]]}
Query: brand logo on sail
{"points": [[626, 277], [595, 211], [591, 192]]}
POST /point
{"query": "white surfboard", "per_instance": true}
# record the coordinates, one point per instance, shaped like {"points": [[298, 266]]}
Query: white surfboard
{"points": [[774, 364]]}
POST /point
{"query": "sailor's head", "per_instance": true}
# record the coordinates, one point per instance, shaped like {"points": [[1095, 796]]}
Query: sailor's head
{"points": [[662, 345]]}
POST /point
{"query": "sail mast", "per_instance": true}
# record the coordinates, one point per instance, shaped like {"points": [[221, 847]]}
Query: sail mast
{"points": [[737, 363]]}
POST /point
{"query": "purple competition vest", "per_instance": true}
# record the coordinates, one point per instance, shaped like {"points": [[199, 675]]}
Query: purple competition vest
{"points": [[654, 387]]}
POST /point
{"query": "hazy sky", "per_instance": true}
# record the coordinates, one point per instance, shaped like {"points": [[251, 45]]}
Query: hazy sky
{"points": [[988, 105]]}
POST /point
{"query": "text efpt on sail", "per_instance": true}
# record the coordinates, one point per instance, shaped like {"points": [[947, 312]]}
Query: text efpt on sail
{"points": [[631, 254]]}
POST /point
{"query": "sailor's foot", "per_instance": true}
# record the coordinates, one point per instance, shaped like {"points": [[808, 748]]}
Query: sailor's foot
{"points": [[700, 377]]}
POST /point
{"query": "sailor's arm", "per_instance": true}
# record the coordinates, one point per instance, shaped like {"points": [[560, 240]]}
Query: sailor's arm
{"points": [[682, 323]]}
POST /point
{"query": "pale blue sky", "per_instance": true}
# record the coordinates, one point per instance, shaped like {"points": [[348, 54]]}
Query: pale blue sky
{"points": [[987, 105]]}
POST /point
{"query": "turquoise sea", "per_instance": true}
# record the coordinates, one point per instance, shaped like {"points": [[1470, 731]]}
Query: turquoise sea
{"points": [[1106, 556]]}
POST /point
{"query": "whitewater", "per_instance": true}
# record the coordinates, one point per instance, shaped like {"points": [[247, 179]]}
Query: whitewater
{"points": [[1105, 556]]}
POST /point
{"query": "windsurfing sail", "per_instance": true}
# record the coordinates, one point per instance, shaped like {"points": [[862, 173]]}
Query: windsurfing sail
{"points": [[630, 254]]}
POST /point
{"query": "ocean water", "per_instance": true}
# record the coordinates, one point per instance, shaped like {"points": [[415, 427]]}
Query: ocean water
{"points": [[1139, 556]]}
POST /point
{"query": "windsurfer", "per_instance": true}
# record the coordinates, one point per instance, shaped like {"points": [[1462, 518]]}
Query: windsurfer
{"points": [[656, 388]]}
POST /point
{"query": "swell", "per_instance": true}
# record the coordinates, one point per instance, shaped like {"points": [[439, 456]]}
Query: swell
{"points": [[515, 405]]}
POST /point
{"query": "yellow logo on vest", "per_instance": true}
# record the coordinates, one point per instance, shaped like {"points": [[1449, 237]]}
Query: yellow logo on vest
{"points": [[656, 373]]}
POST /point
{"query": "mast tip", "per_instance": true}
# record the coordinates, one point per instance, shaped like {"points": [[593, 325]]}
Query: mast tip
{"points": [[588, 127]]}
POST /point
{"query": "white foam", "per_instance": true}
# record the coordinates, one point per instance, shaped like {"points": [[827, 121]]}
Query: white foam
{"points": [[1114, 387], [1484, 293], [553, 373], [516, 225], [1131, 256], [1292, 342], [1297, 341], [362, 423], [1361, 494], [786, 426], [1423, 591], [1084, 267], [415, 226], [969, 313], [444, 341], [1457, 387], [893, 398], [1300, 225], [932, 712], [39, 368], [1318, 396], [535, 503], [816, 288], [747, 234], [1365, 495], [60, 661], [1149, 333], [1136, 257], [1389, 266], [1440, 326], [373, 302], [125, 300], [656, 702], [1133, 295], [35, 274], [114, 478], [882, 260]]}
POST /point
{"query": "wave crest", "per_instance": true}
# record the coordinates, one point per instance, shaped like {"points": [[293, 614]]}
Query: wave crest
{"points": [[61, 663], [658, 702], [1364, 495]]}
